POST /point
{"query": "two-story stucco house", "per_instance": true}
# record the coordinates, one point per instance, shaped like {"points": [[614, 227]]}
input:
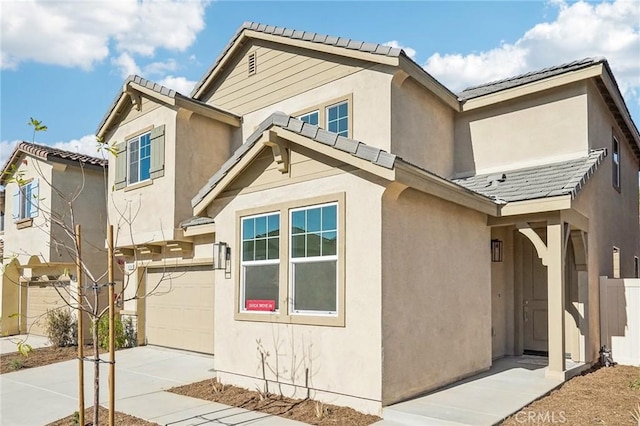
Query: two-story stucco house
{"points": [[45, 188], [324, 213]]}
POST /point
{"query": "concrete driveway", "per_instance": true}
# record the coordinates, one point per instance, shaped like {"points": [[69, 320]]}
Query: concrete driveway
{"points": [[9, 344], [41, 395]]}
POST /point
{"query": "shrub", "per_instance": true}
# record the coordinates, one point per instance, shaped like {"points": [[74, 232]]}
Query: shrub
{"points": [[62, 327], [16, 364], [103, 332], [130, 334]]}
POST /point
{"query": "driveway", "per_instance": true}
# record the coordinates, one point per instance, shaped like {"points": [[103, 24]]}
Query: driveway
{"points": [[38, 396], [44, 394]]}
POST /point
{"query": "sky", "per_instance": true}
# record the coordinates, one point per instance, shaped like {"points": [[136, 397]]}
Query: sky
{"points": [[63, 62]]}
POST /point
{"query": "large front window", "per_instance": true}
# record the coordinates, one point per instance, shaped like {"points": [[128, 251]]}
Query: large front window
{"points": [[139, 149], [260, 262], [313, 259]]}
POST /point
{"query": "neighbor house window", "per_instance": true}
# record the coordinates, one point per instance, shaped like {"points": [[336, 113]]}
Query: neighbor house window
{"points": [[139, 153], [260, 262], [338, 119], [25, 201], [314, 260], [616, 262], [616, 163], [291, 262], [311, 117]]}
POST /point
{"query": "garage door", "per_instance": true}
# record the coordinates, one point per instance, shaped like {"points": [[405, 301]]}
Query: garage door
{"points": [[39, 299], [180, 309]]}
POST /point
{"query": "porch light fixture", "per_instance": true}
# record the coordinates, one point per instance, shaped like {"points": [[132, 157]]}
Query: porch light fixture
{"points": [[222, 257], [496, 250]]}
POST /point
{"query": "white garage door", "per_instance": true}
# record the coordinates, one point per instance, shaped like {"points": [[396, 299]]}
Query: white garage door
{"points": [[180, 309], [39, 299]]}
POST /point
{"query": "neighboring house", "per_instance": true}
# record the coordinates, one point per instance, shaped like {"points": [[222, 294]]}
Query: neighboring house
{"points": [[41, 183], [360, 230]]}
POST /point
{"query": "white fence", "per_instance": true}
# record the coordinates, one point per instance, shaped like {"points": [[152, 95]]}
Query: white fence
{"points": [[620, 318]]}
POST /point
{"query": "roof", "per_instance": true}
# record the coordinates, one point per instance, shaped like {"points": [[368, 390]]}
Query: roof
{"points": [[547, 180], [315, 133], [374, 48], [46, 153], [160, 90], [519, 80]]}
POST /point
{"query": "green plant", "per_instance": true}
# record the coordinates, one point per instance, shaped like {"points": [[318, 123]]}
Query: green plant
{"points": [[24, 348], [103, 332], [76, 418], [62, 327], [16, 363], [130, 334], [635, 384]]}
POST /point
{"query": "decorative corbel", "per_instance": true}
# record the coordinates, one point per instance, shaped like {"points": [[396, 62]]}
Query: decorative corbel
{"points": [[136, 99], [279, 149], [541, 248]]}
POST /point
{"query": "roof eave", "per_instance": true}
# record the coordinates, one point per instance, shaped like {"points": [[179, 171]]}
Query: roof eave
{"points": [[428, 81]]}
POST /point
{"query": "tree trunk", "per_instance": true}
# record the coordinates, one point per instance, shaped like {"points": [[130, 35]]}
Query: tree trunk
{"points": [[96, 368]]}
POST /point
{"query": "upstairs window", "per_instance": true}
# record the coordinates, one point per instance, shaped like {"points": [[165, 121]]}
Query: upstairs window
{"points": [[616, 163], [338, 119], [25, 201], [139, 161], [140, 158], [311, 117]]}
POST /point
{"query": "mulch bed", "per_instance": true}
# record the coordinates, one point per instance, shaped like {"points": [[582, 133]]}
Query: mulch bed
{"points": [[103, 417], [41, 356], [600, 396], [303, 410]]}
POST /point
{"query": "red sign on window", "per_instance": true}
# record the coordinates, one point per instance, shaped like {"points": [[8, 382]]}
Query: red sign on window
{"points": [[261, 305]]}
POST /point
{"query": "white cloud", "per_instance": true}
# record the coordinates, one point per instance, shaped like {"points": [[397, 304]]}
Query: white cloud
{"points": [[580, 30], [79, 33], [6, 148], [126, 64], [396, 44], [179, 84], [160, 68]]}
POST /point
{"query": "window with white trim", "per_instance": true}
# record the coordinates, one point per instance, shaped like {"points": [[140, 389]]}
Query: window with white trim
{"points": [[260, 263], [314, 260], [615, 159], [25, 201], [312, 117], [139, 158], [338, 118]]}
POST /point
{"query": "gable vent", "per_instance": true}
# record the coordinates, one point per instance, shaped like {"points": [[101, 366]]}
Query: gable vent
{"points": [[252, 63]]}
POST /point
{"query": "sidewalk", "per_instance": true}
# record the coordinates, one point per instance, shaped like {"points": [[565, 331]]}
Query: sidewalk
{"points": [[8, 344]]}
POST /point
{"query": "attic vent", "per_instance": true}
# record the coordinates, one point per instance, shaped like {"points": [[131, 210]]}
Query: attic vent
{"points": [[252, 63]]}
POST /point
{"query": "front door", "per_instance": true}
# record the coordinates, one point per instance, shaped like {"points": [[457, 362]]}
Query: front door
{"points": [[534, 300]]}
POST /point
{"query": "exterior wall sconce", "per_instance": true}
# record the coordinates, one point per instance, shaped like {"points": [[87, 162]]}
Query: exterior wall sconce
{"points": [[496, 250], [222, 258]]}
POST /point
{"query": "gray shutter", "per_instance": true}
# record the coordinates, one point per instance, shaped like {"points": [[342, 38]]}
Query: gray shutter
{"points": [[16, 205], [157, 152], [121, 166], [35, 200]]}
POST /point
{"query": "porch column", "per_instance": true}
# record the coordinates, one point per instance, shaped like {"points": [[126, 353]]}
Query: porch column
{"points": [[556, 247]]}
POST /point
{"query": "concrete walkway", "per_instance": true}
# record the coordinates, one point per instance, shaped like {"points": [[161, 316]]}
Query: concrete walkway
{"points": [[42, 395], [9, 344], [484, 399]]}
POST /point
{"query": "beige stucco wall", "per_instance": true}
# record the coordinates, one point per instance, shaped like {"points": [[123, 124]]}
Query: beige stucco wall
{"points": [[422, 127], [523, 132], [344, 362], [436, 286], [502, 295], [613, 215]]}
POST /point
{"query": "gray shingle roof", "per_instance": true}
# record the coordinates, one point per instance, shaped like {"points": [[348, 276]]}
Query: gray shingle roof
{"points": [[158, 88], [279, 119], [547, 180], [375, 48], [508, 83]]}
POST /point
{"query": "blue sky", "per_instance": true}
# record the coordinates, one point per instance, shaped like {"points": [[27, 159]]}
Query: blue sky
{"points": [[63, 62]]}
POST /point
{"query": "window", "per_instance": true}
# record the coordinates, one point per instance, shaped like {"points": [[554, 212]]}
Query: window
{"points": [[25, 201], [291, 267], [311, 117], [636, 266], [334, 115], [616, 262], [314, 261], [139, 158], [338, 119], [616, 163], [260, 262]]}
